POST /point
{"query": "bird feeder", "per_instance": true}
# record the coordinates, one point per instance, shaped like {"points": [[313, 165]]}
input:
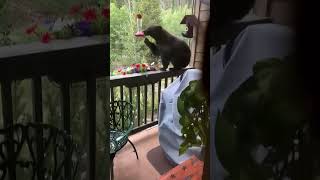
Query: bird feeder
{"points": [[190, 21], [139, 32]]}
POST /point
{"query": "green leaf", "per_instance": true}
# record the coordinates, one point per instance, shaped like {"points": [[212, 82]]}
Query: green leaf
{"points": [[194, 123]]}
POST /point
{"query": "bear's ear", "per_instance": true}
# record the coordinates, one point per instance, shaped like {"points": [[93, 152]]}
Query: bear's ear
{"points": [[157, 28]]}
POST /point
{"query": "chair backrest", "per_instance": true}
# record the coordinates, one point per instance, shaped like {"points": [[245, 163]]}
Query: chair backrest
{"points": [[37, 151], [121, 116]]}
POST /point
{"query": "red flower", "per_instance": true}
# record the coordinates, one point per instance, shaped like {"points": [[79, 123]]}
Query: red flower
{"points": [[106, 12], [75, 9], [31, 29], [143, 65], [123, 73], [46, 37], [90, 15], [138, 65]]}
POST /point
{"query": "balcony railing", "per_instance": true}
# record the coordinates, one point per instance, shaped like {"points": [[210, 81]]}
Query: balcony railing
{"points": [[65, 62], [142, 90]]}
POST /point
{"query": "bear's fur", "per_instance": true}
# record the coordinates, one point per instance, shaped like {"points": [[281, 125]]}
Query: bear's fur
{"points": [[168, 47]]}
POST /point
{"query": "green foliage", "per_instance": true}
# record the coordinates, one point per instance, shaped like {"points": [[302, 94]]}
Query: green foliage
{"points": [[103, 2], [193, 109], [18, 105], [150, 11], [51, 102], [127, 49], [5, 39], [121, 35], [2, 4], [171, 18], [265, 110]]}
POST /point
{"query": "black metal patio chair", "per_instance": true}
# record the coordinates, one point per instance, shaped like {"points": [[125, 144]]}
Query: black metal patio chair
{"points": [[121, 124], [37, 152]]}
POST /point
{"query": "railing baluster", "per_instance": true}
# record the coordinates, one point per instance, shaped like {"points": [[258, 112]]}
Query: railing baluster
{"points": [[131, 101], [121, 98], [121, 93], [91, 105], [65, 91], [7, 107], [138, 103], [38, 117], [159, 94], [158, 80], [37, 99], [130, 95], [152, 108], [145, 103], [7, 122], [112, 94], [159, 91], [165, 82]]}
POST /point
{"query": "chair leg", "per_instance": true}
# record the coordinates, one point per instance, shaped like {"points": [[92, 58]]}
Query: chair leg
{"points": [[111, 169], [134, 148]]}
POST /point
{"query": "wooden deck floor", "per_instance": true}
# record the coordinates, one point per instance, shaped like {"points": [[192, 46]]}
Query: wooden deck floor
{"points": [[151, 164]]}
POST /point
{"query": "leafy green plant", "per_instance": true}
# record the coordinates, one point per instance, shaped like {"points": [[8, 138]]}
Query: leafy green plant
{"points": [[193, 109], [5, 39], [265, 114]]}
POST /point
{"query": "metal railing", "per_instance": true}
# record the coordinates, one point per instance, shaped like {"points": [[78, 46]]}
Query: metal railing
{"points": [[65, 62], [143, 91]]}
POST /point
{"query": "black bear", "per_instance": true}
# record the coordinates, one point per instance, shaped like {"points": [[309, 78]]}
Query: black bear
{"points": [[168, 47]]}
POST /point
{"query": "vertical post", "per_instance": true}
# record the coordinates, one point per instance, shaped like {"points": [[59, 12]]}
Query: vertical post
{"points": [[130, 95], [145, 103], [112, 94], [269, 8], [121, 92], [38, 118], [138, 103], [165, 82], [108, 158], [37, 99], [8, 121], [121, 98], [159, 96], [159, 91], [152, 108], [65, 91], [91, 104], [7, 110], [131, 101]]}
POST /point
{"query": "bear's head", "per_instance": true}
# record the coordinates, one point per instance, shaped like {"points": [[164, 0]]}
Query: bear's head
{"points": [[153, 31]]}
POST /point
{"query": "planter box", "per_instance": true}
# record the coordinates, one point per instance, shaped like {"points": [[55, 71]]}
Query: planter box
{"points": [[73, 58]]}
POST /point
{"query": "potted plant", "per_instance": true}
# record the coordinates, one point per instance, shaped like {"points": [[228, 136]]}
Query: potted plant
{"points": [[262, 131], [194, 111]]}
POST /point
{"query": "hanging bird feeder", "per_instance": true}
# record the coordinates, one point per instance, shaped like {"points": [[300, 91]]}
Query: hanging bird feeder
{"points": [[190, 21]]}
